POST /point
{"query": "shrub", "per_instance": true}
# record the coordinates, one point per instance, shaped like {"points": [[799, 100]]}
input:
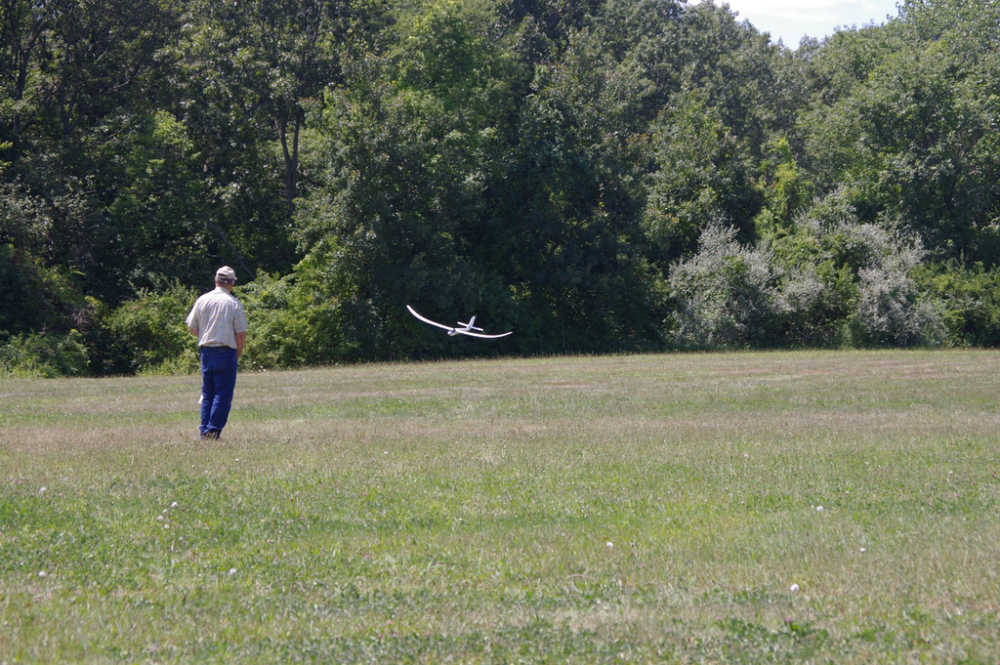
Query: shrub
{"points": [[42, 355], [815, 301], [34, 298], [152, 326], [291, 324], [726, 294], [969, 301], [890, 309], [109, 354], [829, 282], [869, 293]]}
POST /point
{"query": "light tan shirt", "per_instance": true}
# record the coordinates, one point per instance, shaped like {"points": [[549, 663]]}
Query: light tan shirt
{"points": [[217, 316]]}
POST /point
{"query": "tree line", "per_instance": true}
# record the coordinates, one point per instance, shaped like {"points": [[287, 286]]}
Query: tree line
{"points": [[598, 176]]}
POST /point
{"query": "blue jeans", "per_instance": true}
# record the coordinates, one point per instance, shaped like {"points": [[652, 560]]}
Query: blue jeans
{"points": [[218, 378]]}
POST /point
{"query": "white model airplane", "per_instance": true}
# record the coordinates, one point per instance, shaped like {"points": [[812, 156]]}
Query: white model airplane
{"points": [[463, 329]]}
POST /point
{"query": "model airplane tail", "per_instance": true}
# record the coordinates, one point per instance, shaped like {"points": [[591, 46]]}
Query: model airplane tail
{"points": [[469, 325]]}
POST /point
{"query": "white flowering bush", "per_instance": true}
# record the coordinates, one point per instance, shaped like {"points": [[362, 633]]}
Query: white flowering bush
{"points": [[890, 310], [726, 295], [833, 282]]}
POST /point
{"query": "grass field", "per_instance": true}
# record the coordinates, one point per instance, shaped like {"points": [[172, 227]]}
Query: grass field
{"points": [[749, 507]]}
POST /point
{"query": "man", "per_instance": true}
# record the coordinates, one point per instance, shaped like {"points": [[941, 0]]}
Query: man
{"points": [[218, 321]]}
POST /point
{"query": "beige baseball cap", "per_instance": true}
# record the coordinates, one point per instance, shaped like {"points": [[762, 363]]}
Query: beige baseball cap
{"points": [[226, 273]]}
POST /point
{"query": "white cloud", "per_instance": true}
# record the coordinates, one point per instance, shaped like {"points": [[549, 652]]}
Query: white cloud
{"points": [[816, 10], [789, 20]]}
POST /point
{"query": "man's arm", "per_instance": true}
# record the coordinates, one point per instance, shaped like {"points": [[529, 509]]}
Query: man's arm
{"points": [[241, 341], [193, 324]]}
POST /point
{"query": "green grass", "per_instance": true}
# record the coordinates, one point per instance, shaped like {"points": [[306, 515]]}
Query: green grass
{"points": [[611, 509]]}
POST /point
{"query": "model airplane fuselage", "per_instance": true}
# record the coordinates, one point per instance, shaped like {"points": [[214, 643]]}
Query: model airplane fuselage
{"points": [[462, 329]]}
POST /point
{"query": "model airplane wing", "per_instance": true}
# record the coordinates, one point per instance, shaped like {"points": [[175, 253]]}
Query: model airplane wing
{"points": [[426, 320], [472, 334]]}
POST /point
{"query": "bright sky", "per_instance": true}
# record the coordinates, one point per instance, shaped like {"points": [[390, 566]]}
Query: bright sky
{"points": [[790, 20]]}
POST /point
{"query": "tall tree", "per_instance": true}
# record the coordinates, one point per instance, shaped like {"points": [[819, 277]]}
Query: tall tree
{"points": [[22, 29], [915, 142], [568, 206], [80, 76], [276, 58], [407, 162]]}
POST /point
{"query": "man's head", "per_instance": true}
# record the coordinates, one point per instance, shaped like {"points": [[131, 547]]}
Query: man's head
{"points": [[225, 277]]}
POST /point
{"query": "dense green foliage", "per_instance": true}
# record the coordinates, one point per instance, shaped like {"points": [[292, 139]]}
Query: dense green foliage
{"points": [[607, 175]]}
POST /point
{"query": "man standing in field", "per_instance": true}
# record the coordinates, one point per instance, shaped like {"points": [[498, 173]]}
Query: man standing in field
{"points": [[218, 321]]}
